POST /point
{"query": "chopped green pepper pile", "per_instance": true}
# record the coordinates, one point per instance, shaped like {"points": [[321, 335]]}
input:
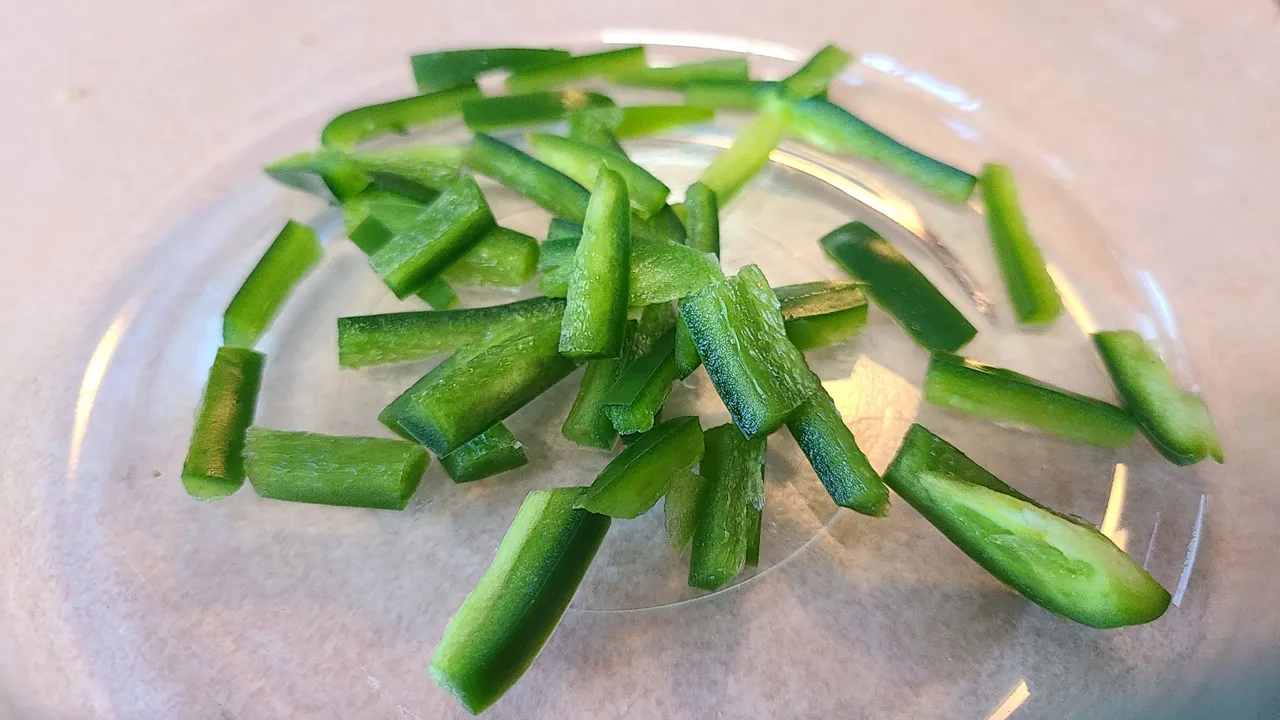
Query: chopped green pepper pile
{"points": [[631, 286]]}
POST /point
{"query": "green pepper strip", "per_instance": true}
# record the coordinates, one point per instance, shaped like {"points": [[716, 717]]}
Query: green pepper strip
{"points": [[539, 108], [347, 471], [291, 257], [665, 225], [1006, 396], [813, 78], [365, 340], [680, 507], [598, 127], [544, 185], [1177, 422], [352, 127], [583, 162], [703, 212], [741, 337], [676, 77], [418, 172], [634, 480], [443, 233], [835, 456], [645, 120], [1056, 561], [734, 168], [560, 228], [587, 423], [659, 271], [634, 400], [572, 69], [507, 618], [1031, 291], [480, 385], [898, 287], [729, 509], [595, 316], [836, 130], [490, 453], [459, 68], [214, 467]]}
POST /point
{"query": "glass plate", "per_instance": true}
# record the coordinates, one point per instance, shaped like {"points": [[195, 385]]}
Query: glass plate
{"points": [[296, 610]]}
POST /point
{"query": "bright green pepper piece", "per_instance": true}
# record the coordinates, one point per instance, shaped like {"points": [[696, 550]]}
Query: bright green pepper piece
{"points": [[729, 94], [583, 162], [544, 185], [835, 456], [480, 385], [645, 120], [1177, 422], [588, 424], [443, 233], [676, 77], [822, 331], [741, 337], [665, 225], [490, 453], [729, 509], [1056, 561], [680, 507], [214, 467], [703, 211], [290, 258], [686, 352], [1006, 396], [659, 271], [898, 287], [754, 531], [1031, 290], [347, 471], [537, 108], [418, 172], [634, 400], [365, 340], [598, 127], [559, 229], [734, 168], [459, 68], [352, 127], [634, 480], [505, 621], [581, 67], [813, 78], [595, 316], [836, 130]]}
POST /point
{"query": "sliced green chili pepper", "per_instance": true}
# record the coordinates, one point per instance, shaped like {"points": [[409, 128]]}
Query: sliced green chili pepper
{"points": [[634, 480], [559, 229], [753, 535], [898, 287], [734, 168], [414, 171], [821, 331], [505, 621], [1177, 422], [820, 314], [490, 453], [835, 456], [703, 212], [459, 68], [587, 423], [290, 258], [655, 322], [739, 332], [1006, 396], [729, 94], [813, 78], [676, 77], [480, 385], [365, 340], [347, 471], [370, 217], [450, 226], [836, 130], [660, 271], [734, 470], [536, 108], [597, 126], [595, 316], [544, 185], [1056, 561], [576, 68], [642, 388], [686, 352], [397, 116], [680, 508], [1032, 294], [438, 294], [646, 120], [326, 173], [583, 162], [214, 467], [664, 225]]}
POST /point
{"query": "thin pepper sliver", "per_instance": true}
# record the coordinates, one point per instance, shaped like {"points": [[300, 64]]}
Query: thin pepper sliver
{"points": [[536, 108], [595, 316], [729, 509], [292, 256], [636, 479], [1031, 290], [836, 458], [541, 183], [579, 67], [352, 127], [490, 453], [214, 466]]}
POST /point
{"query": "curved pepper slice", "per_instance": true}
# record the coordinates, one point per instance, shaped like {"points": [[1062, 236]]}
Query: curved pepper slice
{"points": [[675, 77], [576, 68], [634, 480], [732, 169], [214, 467], [1056, 561], [598, 127], [835, 456], [583, 162], [1177, 422], [702, 219], [642, 388], [680, 507], [535, 108], [490, 453], [1031, 291], [645, 120], [291, 257], [659, 271], [595, 316], [541, 183], [729, 511], [352, 127], [504, 622], [814, 76], [459, 68], [898, 287]]}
